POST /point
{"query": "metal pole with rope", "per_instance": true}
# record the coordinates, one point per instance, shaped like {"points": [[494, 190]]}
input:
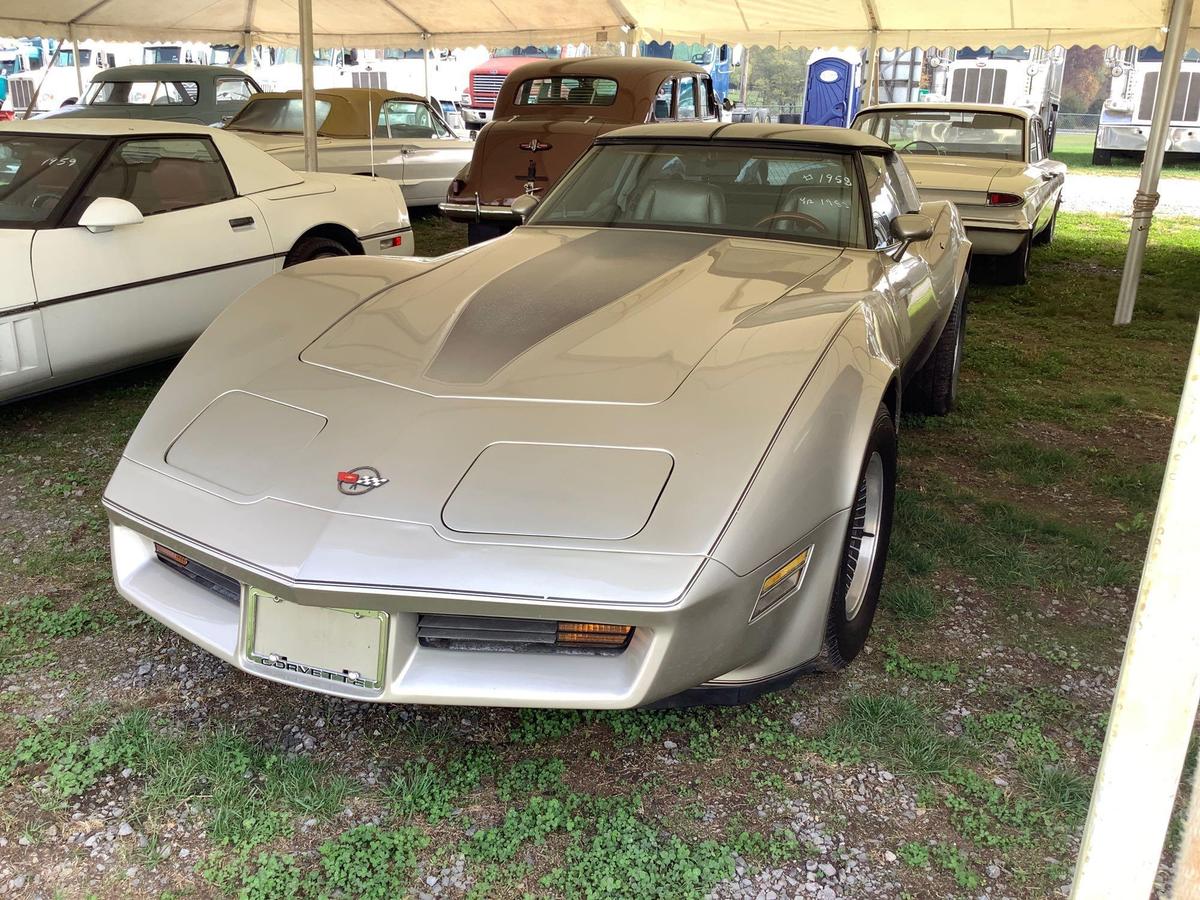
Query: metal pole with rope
{"points": [[1154, 710], [75, 59], [41, 81], [308, 92], [1146, 198]]}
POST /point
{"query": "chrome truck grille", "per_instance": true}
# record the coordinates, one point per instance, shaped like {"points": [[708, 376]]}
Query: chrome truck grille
{"points": [[978, 86], [1187, 98], [485, 87], [22, 93]]}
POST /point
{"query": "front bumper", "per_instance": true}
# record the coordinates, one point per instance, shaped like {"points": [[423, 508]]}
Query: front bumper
{"points": [[1134, 138], [474, 117], [702, 635]]}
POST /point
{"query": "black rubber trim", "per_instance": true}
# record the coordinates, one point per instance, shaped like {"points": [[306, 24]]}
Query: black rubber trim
{"points": [[728, 694], [381, 234], [130, 285]]}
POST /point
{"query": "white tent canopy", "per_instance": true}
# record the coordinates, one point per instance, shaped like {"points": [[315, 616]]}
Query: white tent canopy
{"points": [[413, 23]]}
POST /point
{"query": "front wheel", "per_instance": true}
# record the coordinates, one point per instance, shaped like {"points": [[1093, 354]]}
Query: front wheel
{"points": [[864, 552], [933, 390]]}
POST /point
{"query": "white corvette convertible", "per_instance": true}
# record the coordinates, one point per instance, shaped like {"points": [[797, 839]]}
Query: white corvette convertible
{"points": [[121, 240]]}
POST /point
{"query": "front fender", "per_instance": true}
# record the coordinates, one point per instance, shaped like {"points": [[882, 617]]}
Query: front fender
{"points": [[811, 466]]}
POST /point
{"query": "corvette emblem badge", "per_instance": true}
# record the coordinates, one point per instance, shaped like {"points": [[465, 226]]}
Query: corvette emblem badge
{"points": [[362, 480]]}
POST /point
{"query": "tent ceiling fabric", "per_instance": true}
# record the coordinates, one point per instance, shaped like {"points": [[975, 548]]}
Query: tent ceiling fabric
{"points": [[796, 23]]}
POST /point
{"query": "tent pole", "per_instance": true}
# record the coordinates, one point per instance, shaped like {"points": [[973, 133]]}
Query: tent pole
{"points": [[425, 63], [1157, 693], [873, 84], [75, 57], [1147, 194], [41, 81], [308, 93], [1187, 864]]}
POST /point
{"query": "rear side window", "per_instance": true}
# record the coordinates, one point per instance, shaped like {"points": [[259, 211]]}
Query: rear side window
{"points": [[564, 90], [232, 90], [161, 174], [687, 99]]}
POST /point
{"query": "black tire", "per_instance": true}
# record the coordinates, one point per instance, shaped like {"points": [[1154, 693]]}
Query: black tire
{"points": [[1014, 268], [478, 232], [310, 248], [933, 390], [845, 635], [1046, 235], [1101, 157]]}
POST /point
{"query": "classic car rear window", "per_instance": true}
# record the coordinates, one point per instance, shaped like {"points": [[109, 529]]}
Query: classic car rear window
{"points": [[567, 90], [142, 93], [277, 115], [38, 173], [942, 132], [810, 196]]}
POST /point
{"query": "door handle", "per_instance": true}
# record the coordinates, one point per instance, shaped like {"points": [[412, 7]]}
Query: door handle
{"points": [[241, 222]]}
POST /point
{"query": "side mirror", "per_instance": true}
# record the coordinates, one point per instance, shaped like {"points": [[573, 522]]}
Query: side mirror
{"points": [[106, 213], [524, 205], [910, 228]]}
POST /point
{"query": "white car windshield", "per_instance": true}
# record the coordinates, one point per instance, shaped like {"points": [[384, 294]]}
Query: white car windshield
{"points": [[939, 132], [39, 174], [745, 190]]}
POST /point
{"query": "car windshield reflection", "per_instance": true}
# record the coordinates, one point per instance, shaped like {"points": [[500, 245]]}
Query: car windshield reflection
{"points": [[779, 193], [939, 132]]}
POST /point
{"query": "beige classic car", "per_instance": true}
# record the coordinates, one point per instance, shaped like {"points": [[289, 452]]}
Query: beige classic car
{"points": [[362, 131], [992, 162], [642, 449]]}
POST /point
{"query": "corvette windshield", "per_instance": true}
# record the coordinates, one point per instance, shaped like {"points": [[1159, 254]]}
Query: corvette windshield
{"points": [[38, 173], [939, 132], [733, 189]]}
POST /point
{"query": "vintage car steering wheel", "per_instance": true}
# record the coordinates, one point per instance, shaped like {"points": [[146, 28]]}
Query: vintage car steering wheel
{"points": [[936, 148], [803, 218]]}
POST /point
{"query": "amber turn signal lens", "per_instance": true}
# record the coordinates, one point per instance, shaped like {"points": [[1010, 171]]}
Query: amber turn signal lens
{"points": [[168, 555], [593, 633]]}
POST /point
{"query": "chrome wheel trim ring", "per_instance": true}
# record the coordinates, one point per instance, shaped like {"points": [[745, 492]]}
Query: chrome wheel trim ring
{"points": [[863, 545]]}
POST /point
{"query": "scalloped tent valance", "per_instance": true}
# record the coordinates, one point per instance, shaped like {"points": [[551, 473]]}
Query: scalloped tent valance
{"points": [[795, 23]]}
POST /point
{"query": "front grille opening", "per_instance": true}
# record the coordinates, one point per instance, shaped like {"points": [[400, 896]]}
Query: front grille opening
{"points": [[211, 580], [500, 634]]}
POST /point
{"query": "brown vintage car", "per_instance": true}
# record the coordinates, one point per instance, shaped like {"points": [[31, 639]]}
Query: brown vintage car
{"points": [[549, 112]]}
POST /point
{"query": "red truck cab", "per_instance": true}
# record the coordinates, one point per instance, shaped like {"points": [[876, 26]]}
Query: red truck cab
{"points": [[483, 85]]}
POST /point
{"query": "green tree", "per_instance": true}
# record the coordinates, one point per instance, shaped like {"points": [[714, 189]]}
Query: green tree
{"points": [[1085, 80], [777, 78]]}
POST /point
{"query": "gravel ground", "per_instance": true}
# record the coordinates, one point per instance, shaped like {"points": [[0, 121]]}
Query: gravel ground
{"points": [[1114, 194]]}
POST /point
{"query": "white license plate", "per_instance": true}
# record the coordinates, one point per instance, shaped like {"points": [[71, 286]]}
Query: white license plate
{"points": [[342, 646]]}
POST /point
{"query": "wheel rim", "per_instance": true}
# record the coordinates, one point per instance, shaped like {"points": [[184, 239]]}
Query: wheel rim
{"points": [[863, 544]]}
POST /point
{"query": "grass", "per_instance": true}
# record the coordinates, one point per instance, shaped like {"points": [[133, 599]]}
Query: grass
{"points": [[1075, 149], [1020, 526]]}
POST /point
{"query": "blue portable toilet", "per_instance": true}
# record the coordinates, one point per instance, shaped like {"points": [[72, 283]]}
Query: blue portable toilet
{"points": [[833, 88]]}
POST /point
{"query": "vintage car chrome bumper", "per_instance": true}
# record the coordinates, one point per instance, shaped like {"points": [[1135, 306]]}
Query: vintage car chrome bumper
{"points": [[703, 634], [1133, 138], [465, 211], [995, 239]]}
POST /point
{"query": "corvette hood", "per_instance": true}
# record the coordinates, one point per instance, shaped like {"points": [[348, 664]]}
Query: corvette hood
{"points": [[959, 174], [568, 314]]}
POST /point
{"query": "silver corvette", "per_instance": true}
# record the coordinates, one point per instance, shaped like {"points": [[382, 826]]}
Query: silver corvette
{"points": [[642, 449]]}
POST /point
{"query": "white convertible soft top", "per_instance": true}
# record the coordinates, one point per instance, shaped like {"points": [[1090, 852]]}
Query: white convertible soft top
{"points": [[252, 169]]}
